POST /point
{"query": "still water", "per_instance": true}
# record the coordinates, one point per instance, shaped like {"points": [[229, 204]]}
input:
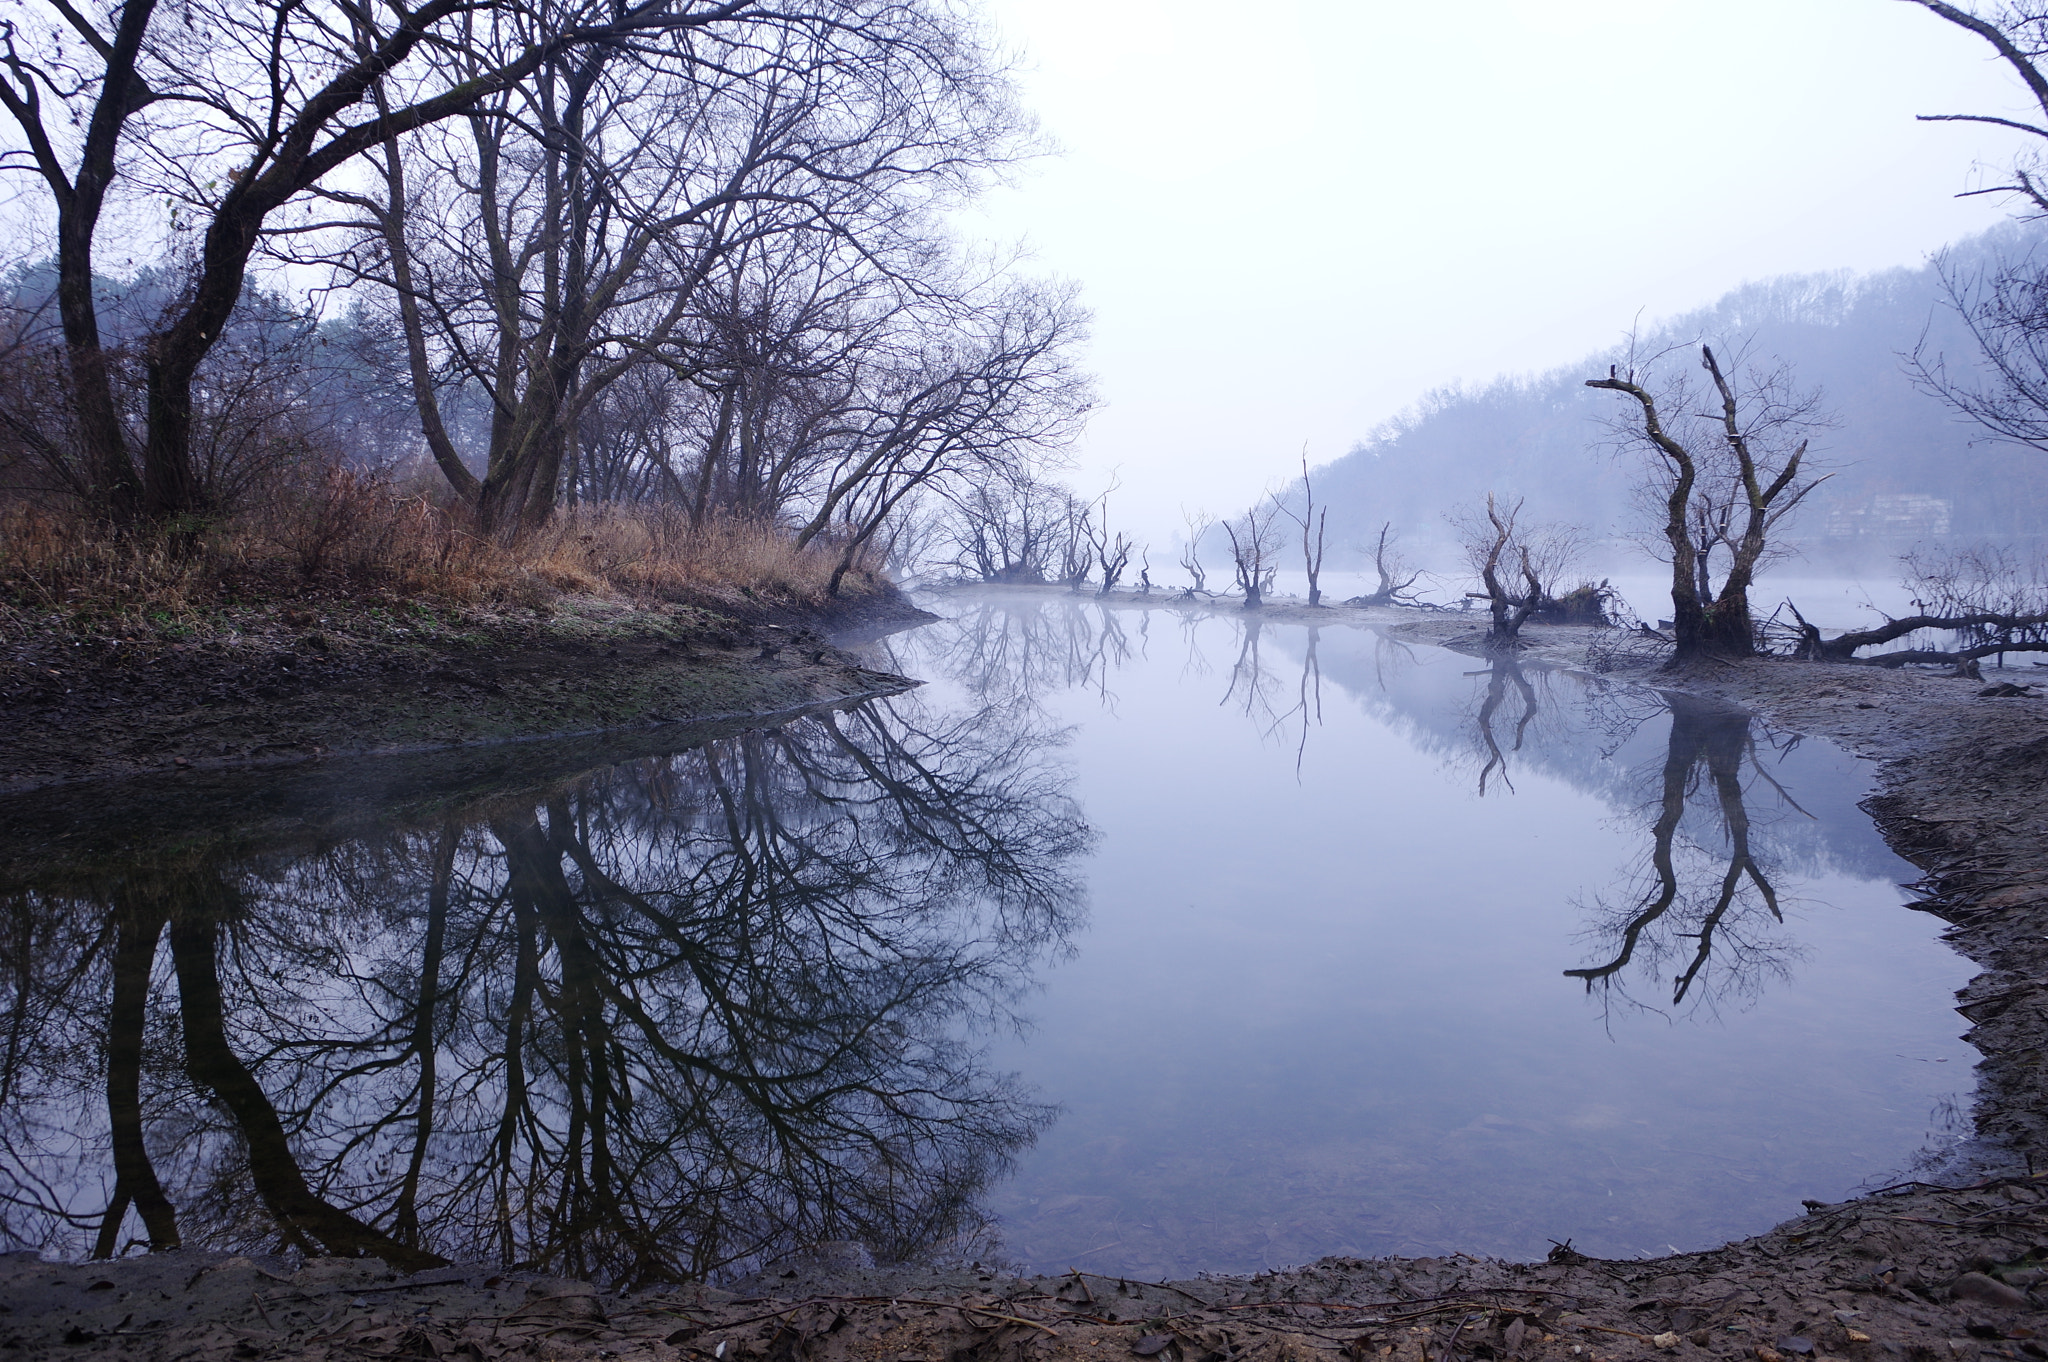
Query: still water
{"points": [[1136, 941]]}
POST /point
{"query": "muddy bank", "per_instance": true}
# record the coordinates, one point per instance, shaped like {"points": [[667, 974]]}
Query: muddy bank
{"points": [[1890, 1275], [284, 682]]}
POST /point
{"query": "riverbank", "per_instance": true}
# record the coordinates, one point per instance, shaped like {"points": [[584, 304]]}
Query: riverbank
{"points": [[279, 681], [1919, 1271]]}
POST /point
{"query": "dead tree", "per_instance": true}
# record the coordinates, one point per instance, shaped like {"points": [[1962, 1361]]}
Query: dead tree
{"points": [[1724, 480], [1254, 544], [1112, 550], [1198, 523], [1076, 546], [2002, 305], [1517, 564], [1984, 598], [1313, 523], [2019, 35], [1388, 565]]}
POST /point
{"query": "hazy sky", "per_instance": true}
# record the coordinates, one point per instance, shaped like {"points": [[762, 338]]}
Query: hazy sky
{"points": [[1292, 218]]}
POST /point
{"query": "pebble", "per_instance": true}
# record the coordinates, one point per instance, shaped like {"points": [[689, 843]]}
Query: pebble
{"points": [[1975, 1286]]}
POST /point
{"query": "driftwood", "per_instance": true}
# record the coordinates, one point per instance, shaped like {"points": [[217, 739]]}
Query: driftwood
{"points": [[1994, 632]]}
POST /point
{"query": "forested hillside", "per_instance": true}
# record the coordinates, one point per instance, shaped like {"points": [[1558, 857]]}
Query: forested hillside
{"points": [[1905, 467]]}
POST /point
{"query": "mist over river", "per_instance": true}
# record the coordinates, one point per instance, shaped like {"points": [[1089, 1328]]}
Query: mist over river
{"points": [[1322, 1005], [1144, 941]]}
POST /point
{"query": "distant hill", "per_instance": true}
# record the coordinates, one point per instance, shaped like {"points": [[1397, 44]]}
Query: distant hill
{"points": [[1908, 470]]}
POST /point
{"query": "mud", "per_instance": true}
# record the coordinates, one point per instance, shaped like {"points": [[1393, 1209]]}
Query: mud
{"points": [[283, 683]]}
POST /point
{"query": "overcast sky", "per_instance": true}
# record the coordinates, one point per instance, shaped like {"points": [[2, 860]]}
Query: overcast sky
{"points": [[1292, 218]]}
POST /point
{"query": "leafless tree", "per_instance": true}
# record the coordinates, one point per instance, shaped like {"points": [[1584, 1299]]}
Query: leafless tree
{"points": [[1723, 481], [1008, 530], [1395, 576], [2002, 305], [1519, 565], [1312, 523], [1988, 600], [978, 400], [1112, 549], [1197, 526], [2018, 33], [237, 110], [1254, 549]]}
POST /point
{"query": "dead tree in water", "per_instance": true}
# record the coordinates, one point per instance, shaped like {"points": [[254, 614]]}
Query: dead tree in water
{"points": [[1310, 520], [1387, 563], [1198, 523], [1728, 479], [1517, 564], [1112, 550], [1254, 543]]}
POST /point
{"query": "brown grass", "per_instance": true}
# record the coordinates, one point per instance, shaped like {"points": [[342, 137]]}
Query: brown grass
{"points": [[353, 536]]}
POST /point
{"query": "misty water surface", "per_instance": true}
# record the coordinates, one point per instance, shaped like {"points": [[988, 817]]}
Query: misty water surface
{"points": [[1144, 943], [1323, 1004]]}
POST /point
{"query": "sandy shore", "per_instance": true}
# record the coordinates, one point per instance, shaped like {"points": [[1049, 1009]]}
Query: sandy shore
{"points": [[1921, 1272]]}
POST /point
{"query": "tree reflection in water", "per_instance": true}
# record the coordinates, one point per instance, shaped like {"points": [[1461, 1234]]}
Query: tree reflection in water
{"points": [[1715, 893], [677, 1017], [1503, 677], [1006, 650]]}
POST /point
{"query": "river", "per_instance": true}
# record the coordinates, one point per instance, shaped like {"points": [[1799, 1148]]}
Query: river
{"points": [[1141, 941]]}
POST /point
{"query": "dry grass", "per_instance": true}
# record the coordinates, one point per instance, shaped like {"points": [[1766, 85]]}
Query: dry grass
{"points": [[350, 536]]}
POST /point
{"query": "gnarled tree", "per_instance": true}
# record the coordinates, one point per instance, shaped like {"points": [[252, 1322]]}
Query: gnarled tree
{"points": [[1518, 564], [1722, 481]]}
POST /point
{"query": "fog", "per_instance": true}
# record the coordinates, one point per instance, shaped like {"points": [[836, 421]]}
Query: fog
{"points": [[1293, 223]]}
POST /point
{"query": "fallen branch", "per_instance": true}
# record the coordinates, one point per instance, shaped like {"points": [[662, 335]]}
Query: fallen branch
{"points": [[2018, 633]]}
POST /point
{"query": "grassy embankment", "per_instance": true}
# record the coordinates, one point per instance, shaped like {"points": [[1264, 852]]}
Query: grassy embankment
{"points": [[386, 626]]}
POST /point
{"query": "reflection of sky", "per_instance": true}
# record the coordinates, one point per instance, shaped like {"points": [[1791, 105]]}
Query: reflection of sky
{"points": [[1321, 1008]]}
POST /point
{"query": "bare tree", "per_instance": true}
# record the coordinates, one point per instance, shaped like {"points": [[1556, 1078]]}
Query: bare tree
{"points": [[1313, 523], [2004, 306], [1254, 545], [1518, 564], [235, 109], [1723, 482], [1198, 524], [979, 400], [2019, 35], [1986, 599], [1395, 576], [1112, 549], [1012, 530]]}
